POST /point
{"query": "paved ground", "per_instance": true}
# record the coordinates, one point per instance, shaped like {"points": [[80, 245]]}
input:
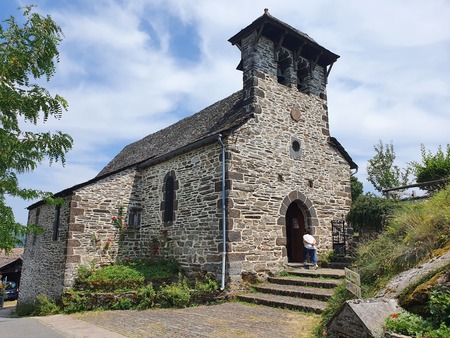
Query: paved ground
{"points": [[224, 320]]}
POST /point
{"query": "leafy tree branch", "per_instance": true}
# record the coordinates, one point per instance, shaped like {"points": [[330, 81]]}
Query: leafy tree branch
{"points": [[28, 52]]}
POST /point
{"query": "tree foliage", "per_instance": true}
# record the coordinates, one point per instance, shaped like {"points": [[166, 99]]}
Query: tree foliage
{"points": [[28, 53], [381, 170], [370, 213], [433, 167], [356, 187]]}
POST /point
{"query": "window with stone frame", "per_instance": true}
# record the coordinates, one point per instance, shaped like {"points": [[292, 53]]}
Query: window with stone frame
{"points": [[56, 222], [296, 148], [169, 204], [134, 217]]}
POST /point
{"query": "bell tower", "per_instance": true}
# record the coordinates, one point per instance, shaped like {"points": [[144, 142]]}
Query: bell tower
{"points": [[271, 47]]}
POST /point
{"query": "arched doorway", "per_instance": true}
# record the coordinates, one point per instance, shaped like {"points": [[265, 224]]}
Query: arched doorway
{"points": [[295, 228]]}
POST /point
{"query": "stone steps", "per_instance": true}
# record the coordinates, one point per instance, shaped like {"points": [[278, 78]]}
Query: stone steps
{"points": [[295, 291], [302, 289], [286, 302], [306, 281]]}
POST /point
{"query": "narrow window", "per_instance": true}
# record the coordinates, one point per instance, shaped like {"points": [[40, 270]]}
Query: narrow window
{"points": [[169, 205], [303, 76], [56, 222], [134, 217], [284, 66], [168, 199], [36, 218], [280, 75], [36, 222]]}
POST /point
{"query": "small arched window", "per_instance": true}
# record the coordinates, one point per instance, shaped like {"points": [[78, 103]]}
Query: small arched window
{"points": [[169, 205]]}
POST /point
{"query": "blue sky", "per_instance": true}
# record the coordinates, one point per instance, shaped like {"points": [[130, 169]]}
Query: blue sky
{"points": [[130, 68]]}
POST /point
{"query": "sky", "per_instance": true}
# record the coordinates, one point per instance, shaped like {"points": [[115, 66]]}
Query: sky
{"points": [[130, 68]]}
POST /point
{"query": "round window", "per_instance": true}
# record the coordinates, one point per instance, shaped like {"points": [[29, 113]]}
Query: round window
{"points": [[295, 145]]}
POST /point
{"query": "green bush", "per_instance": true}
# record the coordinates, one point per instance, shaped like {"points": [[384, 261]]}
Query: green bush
{"points": [[43, 306], [83, 274], [155, 269], [175, 295], [406, 323], [104, 288], [442, 331], [439, 305], [122, 303], [114, 277], [414, 325], [370, 213], [25, 309], [147, 296], [206, 285], [73, 301]]}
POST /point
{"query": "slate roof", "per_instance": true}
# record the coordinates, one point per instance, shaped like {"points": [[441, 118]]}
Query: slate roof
{"points": [[292, 38], [206, 124], [188, 133]]}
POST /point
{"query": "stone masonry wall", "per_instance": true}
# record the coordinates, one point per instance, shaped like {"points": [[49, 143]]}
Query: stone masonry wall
{"points": [[44, 260], [195, 233], [264, 58], [265, 175], [93, 239]]}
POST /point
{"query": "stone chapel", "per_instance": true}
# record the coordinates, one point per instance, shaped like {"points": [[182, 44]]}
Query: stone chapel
{"points": [[233, 186]]}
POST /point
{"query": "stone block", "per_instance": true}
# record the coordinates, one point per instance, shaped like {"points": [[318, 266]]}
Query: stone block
{"points": [[72, 243], [234, 236], [281, 241], [73, 259], [74, 227], [76, 211]]}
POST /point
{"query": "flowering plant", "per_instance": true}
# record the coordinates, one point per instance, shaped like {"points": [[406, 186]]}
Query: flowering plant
{"points": [[153, 247], [119, 221], [107, 244]]}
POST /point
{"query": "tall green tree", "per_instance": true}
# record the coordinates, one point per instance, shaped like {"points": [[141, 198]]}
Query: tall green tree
{"points": [[356, 187], [370, 213], [433, 167], [381, 170], [28, 53]]}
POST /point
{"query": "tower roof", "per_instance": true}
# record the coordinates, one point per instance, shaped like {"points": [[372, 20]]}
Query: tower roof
{"points": [[290, 38]]}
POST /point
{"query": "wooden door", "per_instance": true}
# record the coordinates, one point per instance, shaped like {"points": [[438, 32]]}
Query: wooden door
{"points": [[295, 228]]}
